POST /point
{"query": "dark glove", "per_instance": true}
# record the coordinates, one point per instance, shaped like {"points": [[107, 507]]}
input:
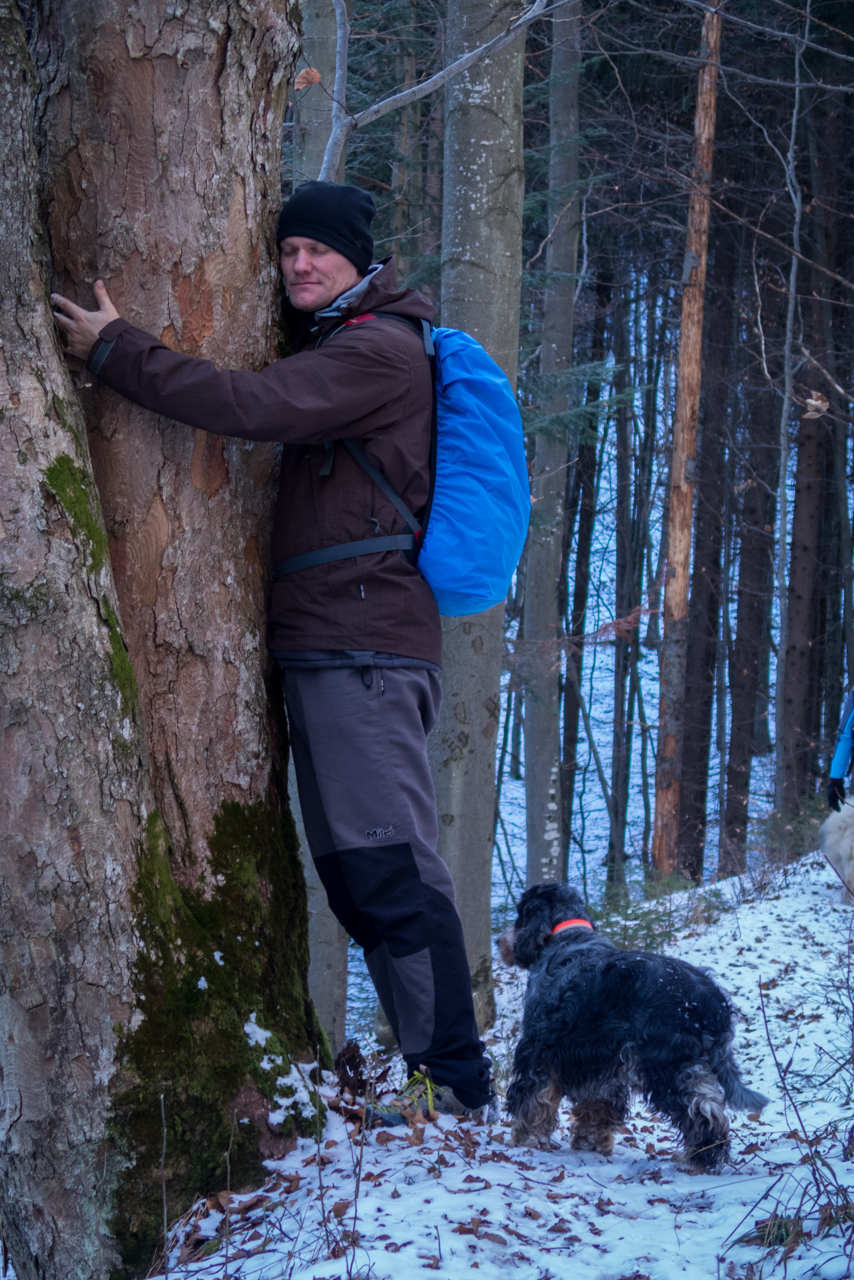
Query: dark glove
{"points": [[835, 793]]}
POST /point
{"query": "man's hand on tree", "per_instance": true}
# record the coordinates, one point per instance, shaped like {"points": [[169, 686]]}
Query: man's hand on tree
{"points": [[81, 328], [835, 793]]}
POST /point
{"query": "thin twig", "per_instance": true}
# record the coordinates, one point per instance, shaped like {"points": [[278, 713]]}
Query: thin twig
{"points": [[163, 1188], [228, 1190]]}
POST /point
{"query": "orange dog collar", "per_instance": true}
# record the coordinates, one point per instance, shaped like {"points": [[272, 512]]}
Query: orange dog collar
{"points": [[570, 924]]}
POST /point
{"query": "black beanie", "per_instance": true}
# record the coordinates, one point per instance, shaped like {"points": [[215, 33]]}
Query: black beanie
{"points": [[335, 215]]}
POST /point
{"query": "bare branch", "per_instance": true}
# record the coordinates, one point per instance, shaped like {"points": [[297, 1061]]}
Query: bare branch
{"points": [[343, 124], [338, 136], [836, 387]]}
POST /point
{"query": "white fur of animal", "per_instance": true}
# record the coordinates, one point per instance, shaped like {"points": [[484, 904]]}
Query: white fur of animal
{"points": [[836, 841]]}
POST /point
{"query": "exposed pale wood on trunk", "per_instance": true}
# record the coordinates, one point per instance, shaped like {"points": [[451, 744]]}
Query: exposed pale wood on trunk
{"points": [[674, 642]]}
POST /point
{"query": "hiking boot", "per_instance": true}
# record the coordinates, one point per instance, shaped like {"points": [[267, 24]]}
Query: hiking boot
{"points": [[421, 1099]]}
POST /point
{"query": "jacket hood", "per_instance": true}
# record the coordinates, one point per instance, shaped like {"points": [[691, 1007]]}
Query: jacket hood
{"points": [[382, 294]]}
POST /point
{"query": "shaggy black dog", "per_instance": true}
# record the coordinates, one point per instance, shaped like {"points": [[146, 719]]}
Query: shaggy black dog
{"points": [[601, 1024]]}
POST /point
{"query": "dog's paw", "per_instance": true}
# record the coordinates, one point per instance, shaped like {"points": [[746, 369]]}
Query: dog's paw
{"points": [[589, 1142], [538, 1141]]}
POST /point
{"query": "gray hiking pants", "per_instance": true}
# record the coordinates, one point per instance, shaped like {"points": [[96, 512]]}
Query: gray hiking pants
{"points": [[358, 738]]}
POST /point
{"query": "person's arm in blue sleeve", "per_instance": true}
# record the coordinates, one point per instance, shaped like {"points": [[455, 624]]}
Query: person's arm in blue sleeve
{"points": [[841, 762]]}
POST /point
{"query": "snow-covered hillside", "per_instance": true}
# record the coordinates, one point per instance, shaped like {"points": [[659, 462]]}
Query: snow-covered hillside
{"points": [[457, 1199]]}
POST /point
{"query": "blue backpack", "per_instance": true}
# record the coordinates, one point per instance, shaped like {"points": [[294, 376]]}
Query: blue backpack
{"points": [[476, 519]]}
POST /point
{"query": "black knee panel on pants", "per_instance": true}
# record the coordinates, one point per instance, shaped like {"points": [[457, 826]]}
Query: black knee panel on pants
{"points": [[385, 885]]}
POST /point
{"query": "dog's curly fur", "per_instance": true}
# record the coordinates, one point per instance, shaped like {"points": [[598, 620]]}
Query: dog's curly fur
{"points": [[601, 1024], [836, 841]]}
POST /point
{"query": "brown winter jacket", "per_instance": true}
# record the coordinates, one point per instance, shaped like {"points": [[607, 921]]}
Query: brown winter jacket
{"points": [[369, 382]]}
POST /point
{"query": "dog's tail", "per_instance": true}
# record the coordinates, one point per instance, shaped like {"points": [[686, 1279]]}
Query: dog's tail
{"points": [[736, 1092]]}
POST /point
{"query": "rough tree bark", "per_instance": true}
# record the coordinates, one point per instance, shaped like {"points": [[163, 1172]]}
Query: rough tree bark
{"points": [[73, 791], [674, 643], [174, 208], [548, 486], [159, 135], [481, 286]]}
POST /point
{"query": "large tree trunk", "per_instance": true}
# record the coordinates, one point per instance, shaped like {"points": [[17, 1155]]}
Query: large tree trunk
{"points": [[180, 229], [674, 643], [481, 286], [160, 144], [545, 546], [73, 792]]}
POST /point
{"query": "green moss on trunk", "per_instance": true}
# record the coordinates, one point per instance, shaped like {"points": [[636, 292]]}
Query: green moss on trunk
{"points": [[71, 484], [215, 963]]}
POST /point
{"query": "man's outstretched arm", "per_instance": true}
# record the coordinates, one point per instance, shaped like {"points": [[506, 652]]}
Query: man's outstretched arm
{"points": [[356, 385]]}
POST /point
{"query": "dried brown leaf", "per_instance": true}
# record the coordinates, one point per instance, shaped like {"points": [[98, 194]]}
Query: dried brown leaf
{"points": [[308, 76], [817, 405]]}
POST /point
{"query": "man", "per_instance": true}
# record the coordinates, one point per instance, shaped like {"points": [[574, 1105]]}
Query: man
{"points": [[358, 637]]}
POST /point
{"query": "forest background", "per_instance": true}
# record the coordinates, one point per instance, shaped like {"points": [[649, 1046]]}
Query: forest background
{"points": [[542, 198]]}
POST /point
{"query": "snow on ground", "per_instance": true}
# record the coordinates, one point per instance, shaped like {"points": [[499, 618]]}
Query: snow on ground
{"points": [[457, 1199]]}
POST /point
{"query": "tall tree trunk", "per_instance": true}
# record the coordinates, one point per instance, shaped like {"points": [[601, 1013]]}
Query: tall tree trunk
{"points": [[313, 105], [803, 573], [74, 787], [160, 142], [824, 172], [755, 524], [624, 601], [674, 644], [481, 286], [548, 489], [703, 609], [406, 166], [585, 482], [785, 786], [327, 940]]}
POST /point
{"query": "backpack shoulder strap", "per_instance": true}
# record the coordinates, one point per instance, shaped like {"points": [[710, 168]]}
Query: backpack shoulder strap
{"points": [[381, 483]]}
